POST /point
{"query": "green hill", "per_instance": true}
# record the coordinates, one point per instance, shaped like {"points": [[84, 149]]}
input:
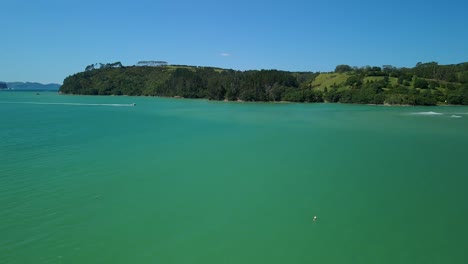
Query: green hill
{"points": [[324, 80], [425, 84]]}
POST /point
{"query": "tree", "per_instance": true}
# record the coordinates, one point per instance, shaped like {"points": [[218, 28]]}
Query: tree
{"points": [[420, 83], [354, 80], [463, 78], [343, 68], [388, 68], [276, 92]]}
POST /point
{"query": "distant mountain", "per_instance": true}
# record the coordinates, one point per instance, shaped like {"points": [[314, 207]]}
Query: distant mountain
{"points": [[3, 85], [31, 86]]}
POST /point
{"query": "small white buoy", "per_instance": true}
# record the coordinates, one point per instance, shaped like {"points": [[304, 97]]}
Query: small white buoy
{"points": [[315, 218]]}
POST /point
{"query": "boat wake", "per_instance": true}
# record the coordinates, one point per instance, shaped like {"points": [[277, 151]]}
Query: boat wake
{"points": [[79, 104], [427, 113], [430, 113]]}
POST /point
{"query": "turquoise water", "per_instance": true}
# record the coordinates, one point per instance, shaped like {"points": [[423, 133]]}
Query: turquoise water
{"points": [[194, 181]]}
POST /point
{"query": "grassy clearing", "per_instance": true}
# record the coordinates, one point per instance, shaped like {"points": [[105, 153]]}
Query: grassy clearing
{"points": [[174, 67], [372, 79], [393, 80], [329, 79]]}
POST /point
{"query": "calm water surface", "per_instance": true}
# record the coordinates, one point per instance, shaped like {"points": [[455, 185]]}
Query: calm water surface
{"points": [[194, 181]]}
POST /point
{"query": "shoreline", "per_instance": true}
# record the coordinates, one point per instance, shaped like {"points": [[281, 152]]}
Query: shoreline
{"points": [[257, 102]]}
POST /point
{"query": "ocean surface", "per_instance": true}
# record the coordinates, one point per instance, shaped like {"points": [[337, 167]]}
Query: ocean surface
{"points": [[87, 179]]}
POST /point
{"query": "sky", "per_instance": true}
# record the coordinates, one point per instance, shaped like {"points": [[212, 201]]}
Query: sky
{"points": [[46, 41]]}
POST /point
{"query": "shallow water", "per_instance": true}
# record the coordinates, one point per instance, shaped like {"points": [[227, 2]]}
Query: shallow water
{"points": [[192, 181]]}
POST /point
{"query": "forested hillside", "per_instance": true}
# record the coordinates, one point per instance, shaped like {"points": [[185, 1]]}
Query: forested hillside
{"points": [[425, 84]]}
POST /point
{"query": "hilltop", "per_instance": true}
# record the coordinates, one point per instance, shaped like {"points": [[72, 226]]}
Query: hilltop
{"points": [[424, 84]]}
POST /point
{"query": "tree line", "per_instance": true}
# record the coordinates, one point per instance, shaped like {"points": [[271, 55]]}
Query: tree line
{"points": [[424, 84]]}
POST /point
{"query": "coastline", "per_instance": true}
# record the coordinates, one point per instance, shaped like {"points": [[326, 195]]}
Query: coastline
{"points": [[259, 102]]}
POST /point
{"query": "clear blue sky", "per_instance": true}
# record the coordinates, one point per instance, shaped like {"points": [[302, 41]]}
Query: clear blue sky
{"points": [[45, 41]]}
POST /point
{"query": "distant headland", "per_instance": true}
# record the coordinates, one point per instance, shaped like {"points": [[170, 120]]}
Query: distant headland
{"points": [[29, 86], [425, 84]]}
